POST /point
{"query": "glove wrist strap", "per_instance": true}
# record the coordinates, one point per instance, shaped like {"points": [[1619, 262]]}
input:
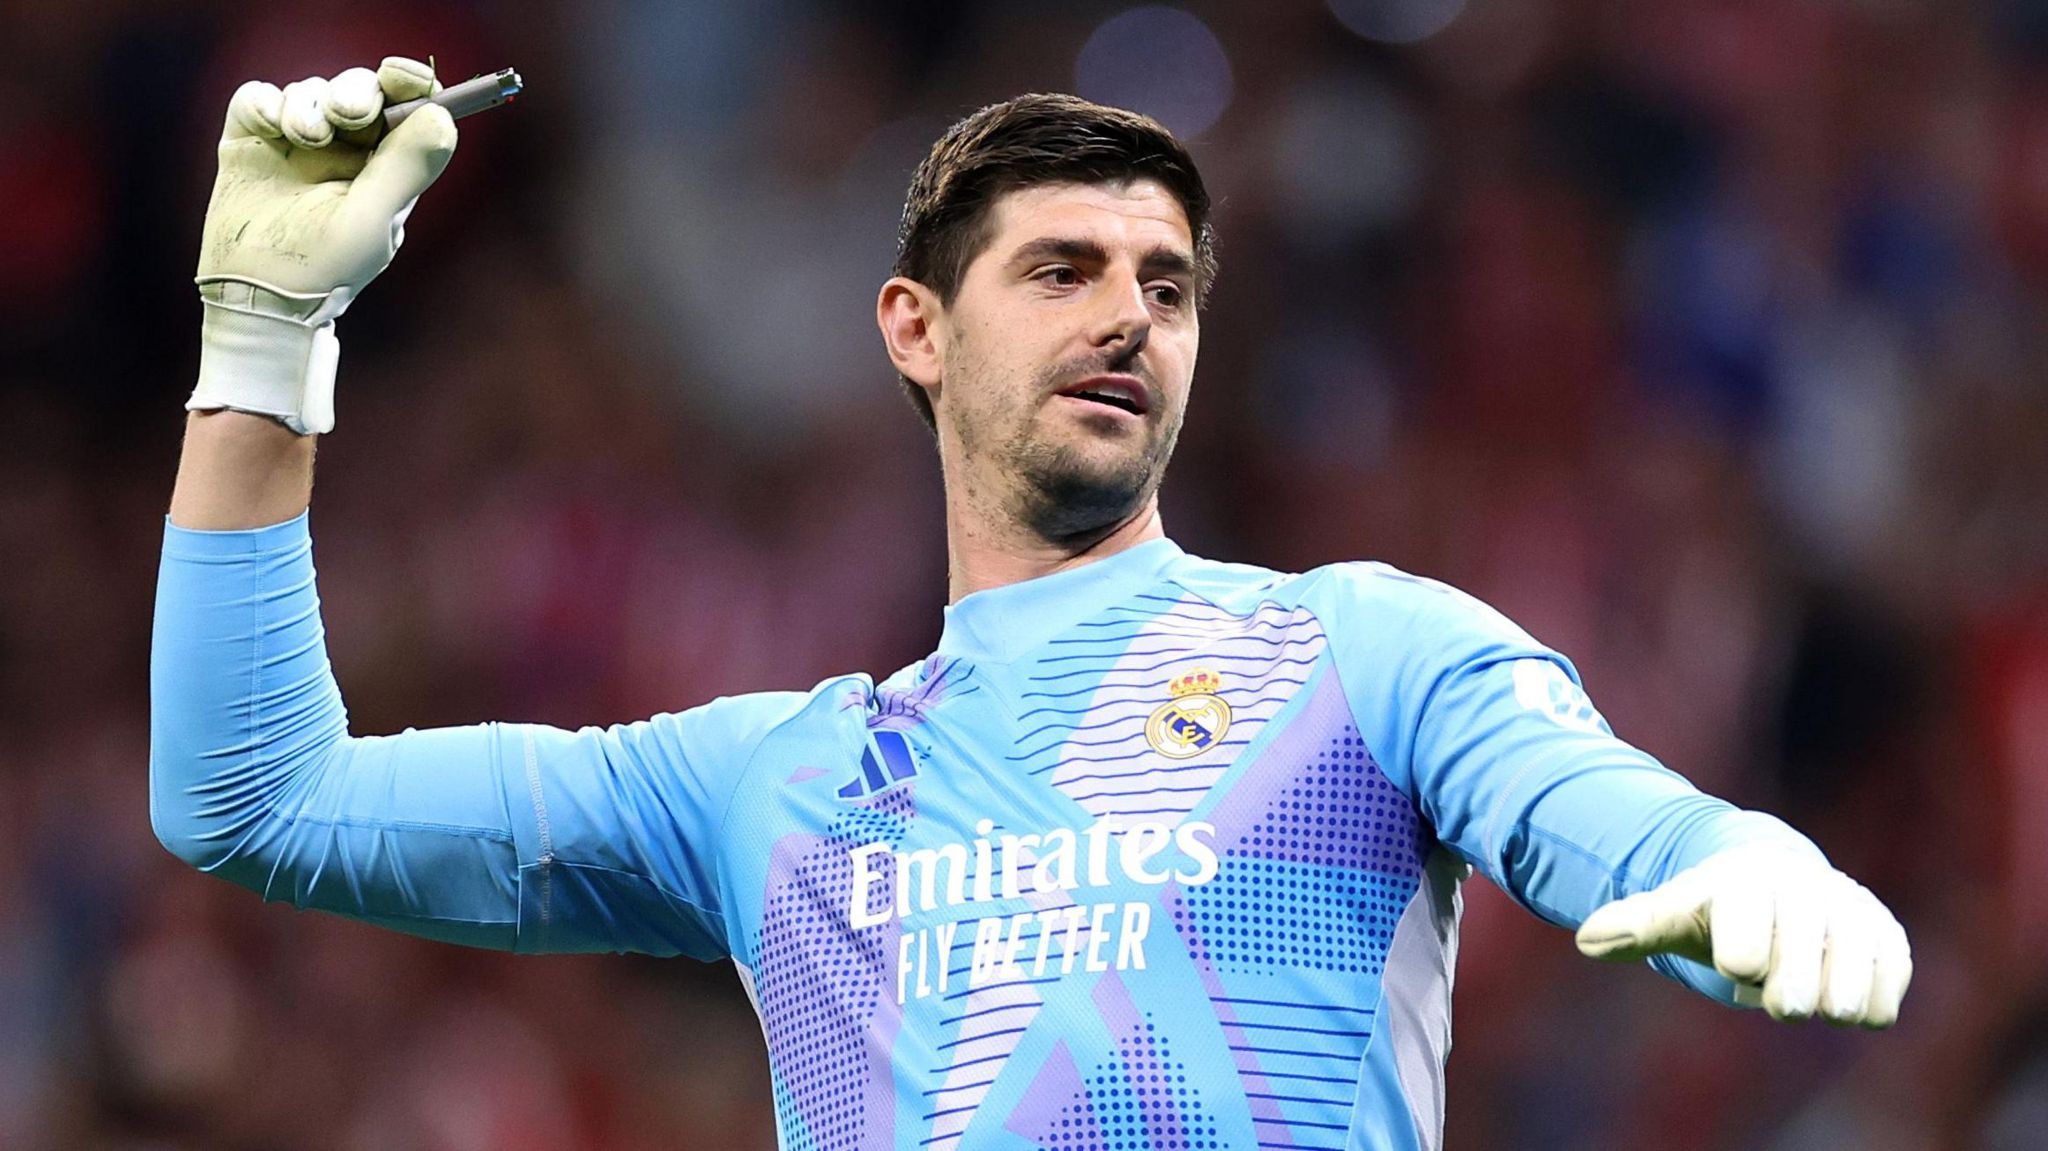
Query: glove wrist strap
{"points": [[268, 352]]}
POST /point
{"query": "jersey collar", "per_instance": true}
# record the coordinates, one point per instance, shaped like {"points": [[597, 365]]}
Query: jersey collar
{"points": [[1002, 623]]}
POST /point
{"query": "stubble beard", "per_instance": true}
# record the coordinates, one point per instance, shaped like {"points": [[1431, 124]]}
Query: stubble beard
{"points": [[1064, 496], [1055, 491]]}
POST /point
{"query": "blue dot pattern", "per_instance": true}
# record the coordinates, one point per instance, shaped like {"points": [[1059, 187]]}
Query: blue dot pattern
{"points": [[1260, 914], [1320, 880], [1141, 1102], [820, 982]]}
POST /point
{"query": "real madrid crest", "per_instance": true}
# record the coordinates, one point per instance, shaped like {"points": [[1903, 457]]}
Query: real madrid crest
{"points": [[1193, 721]]}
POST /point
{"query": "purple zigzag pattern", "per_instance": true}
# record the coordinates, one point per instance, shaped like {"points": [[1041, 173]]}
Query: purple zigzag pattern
{"points": [[1287, 809], [1053, 1112], [1137, 1098], [1260, 1091], [1144, 1064], [1313, 807]]}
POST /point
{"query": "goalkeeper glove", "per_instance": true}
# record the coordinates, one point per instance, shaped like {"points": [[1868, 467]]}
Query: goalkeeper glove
{"points": [[306, 210], [1796, 935]]}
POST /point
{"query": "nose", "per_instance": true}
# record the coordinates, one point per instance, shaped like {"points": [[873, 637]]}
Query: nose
{"points": [[1123, 323]]}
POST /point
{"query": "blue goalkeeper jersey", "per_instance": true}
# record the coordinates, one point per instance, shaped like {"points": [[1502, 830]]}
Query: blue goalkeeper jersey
{"points": [[1156, 852]]}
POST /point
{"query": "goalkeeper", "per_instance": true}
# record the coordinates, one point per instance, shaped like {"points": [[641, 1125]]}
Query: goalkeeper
{"points": [[1153, 851]]}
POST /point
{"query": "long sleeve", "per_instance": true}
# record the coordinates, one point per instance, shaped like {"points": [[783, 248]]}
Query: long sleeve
{"points": [[498, 835], [1505, 755]]}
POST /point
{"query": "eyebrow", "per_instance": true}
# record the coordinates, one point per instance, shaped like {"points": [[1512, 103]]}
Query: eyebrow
{"points": [[1161, 260]]}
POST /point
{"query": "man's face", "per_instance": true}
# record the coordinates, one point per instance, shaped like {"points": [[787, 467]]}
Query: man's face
{"points": [[1068, 353]]}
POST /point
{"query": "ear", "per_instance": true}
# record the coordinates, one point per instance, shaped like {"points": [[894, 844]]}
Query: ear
{"points": [[909, 315]]}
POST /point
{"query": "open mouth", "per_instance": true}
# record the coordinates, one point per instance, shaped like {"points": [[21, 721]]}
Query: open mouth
{"points": [[1123, 394]]}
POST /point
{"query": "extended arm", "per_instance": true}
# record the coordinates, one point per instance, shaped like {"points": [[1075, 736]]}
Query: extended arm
{"points": [[1519, 774]]}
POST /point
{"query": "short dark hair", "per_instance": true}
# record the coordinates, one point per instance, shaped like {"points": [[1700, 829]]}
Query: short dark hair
{"points": [[1042, 138]]}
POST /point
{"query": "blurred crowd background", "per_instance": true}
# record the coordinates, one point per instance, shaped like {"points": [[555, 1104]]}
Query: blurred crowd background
{"points": [[1706, 338]]}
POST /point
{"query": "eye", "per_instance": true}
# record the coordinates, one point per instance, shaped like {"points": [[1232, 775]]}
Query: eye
{"points": [[1058, 275], [1168, 295]]}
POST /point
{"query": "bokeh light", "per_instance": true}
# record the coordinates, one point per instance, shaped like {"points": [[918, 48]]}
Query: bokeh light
{"points": [[1396, 21], [1160, 61], [1704, 341]]}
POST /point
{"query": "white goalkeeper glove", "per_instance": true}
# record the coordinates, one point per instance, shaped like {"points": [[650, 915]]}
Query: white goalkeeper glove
{"points": [[1797, 936], [305, 212]]}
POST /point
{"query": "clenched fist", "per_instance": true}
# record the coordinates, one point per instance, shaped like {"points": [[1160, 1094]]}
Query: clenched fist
{"points": [[308, 208], [1796, 936]]}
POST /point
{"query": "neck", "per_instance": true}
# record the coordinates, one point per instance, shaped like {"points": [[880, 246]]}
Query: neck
{"points": [[982, 553]]}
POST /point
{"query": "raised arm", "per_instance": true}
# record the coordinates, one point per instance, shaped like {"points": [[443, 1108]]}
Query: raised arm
{"points": [[508, 836], [305, 213]]}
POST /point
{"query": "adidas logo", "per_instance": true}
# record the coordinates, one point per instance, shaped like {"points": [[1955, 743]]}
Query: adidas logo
{"points": [[884, 762]]}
